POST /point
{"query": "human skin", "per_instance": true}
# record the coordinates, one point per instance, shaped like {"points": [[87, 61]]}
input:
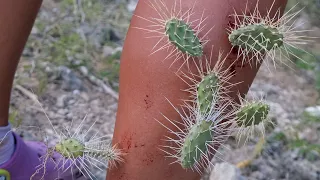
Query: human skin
{"points": [[16, 20], [145, 81]]}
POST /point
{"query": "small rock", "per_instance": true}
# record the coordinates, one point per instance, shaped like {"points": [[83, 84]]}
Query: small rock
{"points": [[313, 111], [71, 102], [76, 92], [85, 96], [107, 51], [118, 49], [34, 30], [226, 171], [77, 62], [69, 115], [132, 5], [84, 70], [70, 81], [60, 101], [62, 111]]}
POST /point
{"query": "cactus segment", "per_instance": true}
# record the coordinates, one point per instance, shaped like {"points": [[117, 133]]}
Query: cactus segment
{"points": [[252, 114], [70, 148], [183, 37], [195, 143], [200, 134], [257, 37], [207, 90]]}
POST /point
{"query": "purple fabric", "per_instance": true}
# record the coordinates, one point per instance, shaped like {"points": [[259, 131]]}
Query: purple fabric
{"points": [[26, 160]]}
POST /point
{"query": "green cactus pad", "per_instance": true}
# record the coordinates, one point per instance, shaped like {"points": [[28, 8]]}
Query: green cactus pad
{"points": [[257, 37], [207, 89], [183, 37], [252, 114], [70, 148], [195, 144]]}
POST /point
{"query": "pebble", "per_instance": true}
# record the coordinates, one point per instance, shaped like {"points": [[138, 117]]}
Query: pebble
{"points": [[226, 171]]}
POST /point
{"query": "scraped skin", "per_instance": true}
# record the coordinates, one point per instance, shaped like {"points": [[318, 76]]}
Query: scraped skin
{"points": [[145, 82], [16, 21]]}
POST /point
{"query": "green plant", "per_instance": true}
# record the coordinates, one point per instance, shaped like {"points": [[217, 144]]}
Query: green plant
{"points": [[257, 36], [70, 148], [306, 149], [204, 127], [175, 31], [14, 119], [111, 67], [200, 135], [251, 116], [183, 37], [82, 147]]}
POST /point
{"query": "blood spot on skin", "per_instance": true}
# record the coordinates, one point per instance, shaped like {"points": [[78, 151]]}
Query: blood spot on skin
{"points": [[122, 176], [148, 102], [149, 159], [126, 142]]}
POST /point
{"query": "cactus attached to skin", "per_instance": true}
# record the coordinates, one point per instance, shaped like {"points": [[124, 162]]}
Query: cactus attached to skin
{"points": [[183, 37], [176, 34], [207, 90], [209, 81], [196, 143], [251, 116], [257, 38], [260, 37], [203, 122], [200, 134]]}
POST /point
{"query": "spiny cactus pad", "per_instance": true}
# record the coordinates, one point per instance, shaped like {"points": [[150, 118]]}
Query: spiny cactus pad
{"points": [[70, 148], [195, 144], [207, 90], [252, 114], [257, 38], [183, 37]]}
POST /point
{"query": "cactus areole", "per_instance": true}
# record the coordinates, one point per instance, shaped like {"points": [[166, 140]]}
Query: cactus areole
{"points": [[183, 37], [257, 38], [70, 148]]}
